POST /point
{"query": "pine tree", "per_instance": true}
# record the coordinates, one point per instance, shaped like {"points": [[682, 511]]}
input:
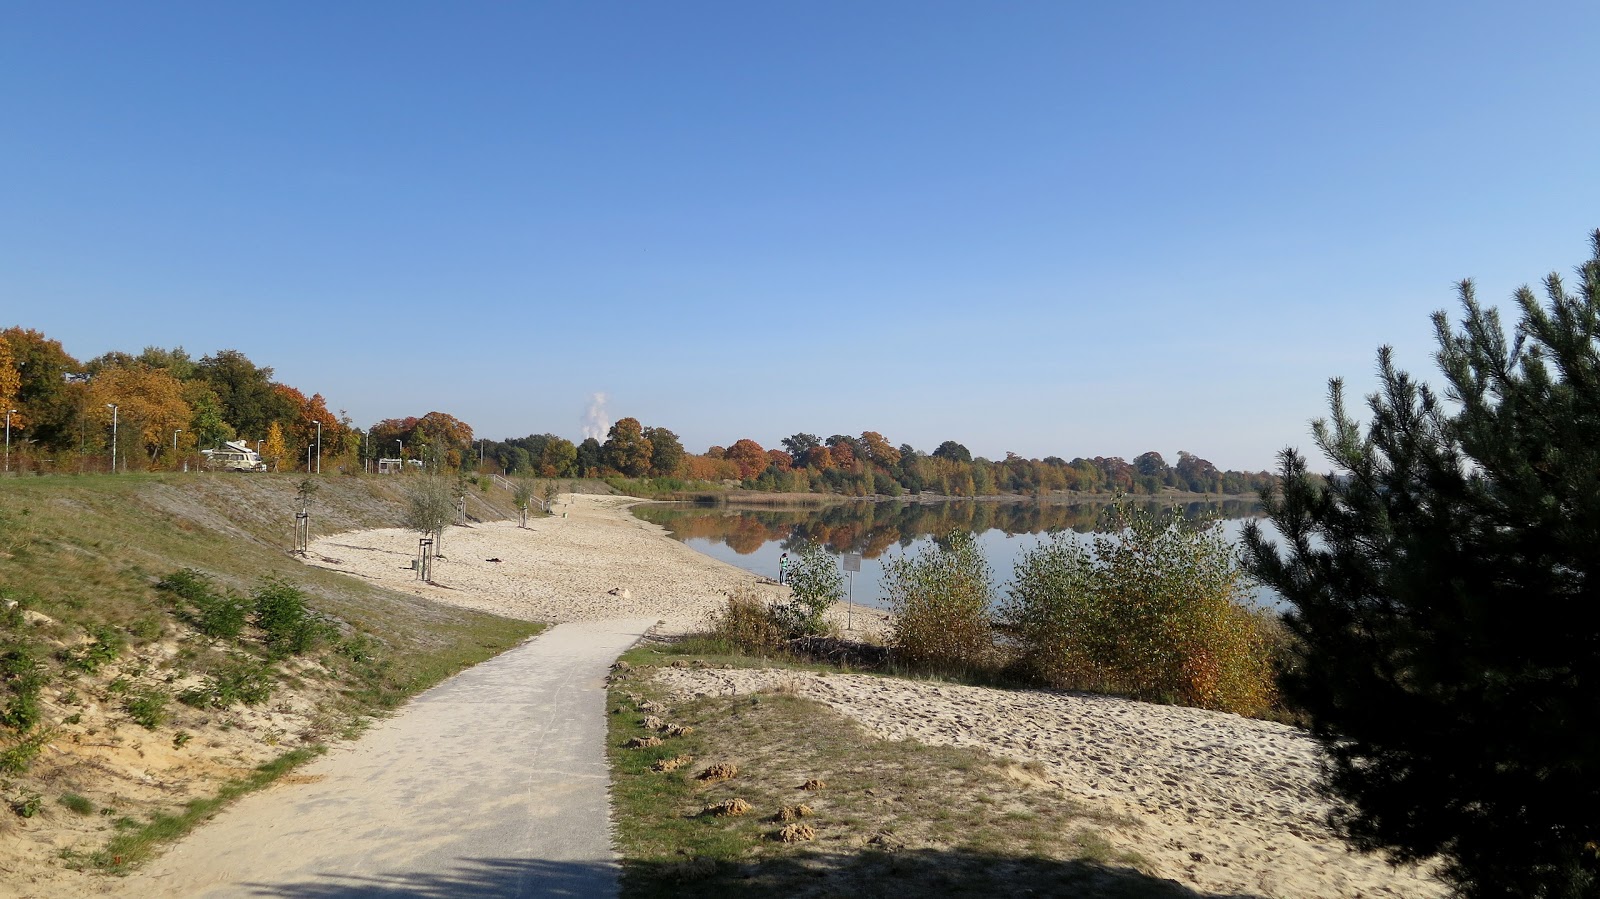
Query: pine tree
{"points": [[1444, 596]]}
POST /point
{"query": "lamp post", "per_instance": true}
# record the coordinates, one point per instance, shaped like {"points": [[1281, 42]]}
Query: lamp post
{"points": [[175, 434], [9, 413], [113, 408], [319, 447]]}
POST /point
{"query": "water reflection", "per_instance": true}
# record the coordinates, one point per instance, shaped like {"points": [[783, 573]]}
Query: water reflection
{"points": [[871, 528]]}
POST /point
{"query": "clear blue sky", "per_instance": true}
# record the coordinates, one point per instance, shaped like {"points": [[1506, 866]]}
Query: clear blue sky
{"points": [[1050, 228]]}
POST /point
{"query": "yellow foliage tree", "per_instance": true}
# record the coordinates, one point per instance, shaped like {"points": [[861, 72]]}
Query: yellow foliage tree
{"points": [[150, 405], [10, 382], [273, 450]]}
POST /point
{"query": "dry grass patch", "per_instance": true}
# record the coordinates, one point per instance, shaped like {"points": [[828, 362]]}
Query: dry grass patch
{"points": [[895, 816]]}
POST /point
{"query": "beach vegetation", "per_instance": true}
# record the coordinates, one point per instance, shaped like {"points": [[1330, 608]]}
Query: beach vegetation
{"points": [[1155, 608], [939, 601], [1443, 585], [430, 508], [815, 586]]}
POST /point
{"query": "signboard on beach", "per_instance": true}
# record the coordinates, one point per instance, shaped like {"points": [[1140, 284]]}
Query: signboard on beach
{"points": [[851, 561]]}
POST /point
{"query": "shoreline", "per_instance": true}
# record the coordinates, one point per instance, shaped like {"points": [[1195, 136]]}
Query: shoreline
{"points": [[590, 560]]}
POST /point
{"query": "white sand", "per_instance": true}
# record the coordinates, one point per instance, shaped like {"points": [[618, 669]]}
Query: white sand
{"points": [[561, 568]]}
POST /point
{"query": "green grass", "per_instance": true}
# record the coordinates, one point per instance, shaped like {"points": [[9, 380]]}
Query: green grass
{"points": [[895, 817], [77, 804]]}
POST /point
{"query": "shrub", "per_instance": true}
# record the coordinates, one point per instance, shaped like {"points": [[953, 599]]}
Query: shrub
{"points": [[22, 677], [17, 753], [239, 681], [748, 623], [147, 707], [287, 625], [940, 599], [1156, 611], [212, 612], [815, 584], [104, 648]]}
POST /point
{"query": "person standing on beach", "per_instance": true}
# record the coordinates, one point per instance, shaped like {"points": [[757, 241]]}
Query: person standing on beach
{"points": [[783, 568]]}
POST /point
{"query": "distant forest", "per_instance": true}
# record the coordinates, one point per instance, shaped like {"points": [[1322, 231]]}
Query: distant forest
{"points": [[163, 406]]}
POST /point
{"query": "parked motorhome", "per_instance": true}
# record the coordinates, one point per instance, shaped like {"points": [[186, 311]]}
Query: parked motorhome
{"points": [[235, 455]]}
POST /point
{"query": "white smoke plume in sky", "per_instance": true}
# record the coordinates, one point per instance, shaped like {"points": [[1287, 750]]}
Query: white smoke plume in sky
{"points": [[595, 422]]}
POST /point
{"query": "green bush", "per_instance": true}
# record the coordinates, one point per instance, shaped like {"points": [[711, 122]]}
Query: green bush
{"points": [[288, 627], [147, 707], [21, 677], [104, 648], [240, 681], [213, 612], [1156, 612], [940, 600], [815, 584], [17, 753]]}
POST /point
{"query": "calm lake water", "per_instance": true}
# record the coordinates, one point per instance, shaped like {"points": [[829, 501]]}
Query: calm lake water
{"points": [[754, 538]]}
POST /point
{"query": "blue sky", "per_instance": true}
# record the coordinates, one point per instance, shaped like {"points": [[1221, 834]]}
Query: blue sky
{"points": [[1048, 228]]}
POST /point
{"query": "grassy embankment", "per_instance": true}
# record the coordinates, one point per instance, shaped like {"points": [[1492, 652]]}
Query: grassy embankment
{"points": [[892, 817], [112, 700]]}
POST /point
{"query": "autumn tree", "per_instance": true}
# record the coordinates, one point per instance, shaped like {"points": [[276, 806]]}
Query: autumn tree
{"points": [[43, 397], [10, 383], [150, 406], [749, 457], [273, 449], [842, 454], [301, 426], [627, 449], [879, 451], [558, 459]]}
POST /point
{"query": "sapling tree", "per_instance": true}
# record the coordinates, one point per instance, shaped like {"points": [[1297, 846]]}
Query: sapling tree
{"points": [[430, 508], [815, 584], [1443, 585]]}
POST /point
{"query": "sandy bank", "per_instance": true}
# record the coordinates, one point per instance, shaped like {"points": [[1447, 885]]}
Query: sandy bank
{"points": [[1223, 804], [591, 560]]}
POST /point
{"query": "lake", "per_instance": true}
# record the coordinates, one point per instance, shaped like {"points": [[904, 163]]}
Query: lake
{"points": [[754, 537]]}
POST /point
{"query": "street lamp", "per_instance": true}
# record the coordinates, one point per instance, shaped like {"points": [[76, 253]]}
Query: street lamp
{"points": [[319, 447], [9, 413], [175, 434], [113, 408]]}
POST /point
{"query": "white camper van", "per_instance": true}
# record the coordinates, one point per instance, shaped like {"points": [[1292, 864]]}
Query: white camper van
{"points": [[235, 455]]}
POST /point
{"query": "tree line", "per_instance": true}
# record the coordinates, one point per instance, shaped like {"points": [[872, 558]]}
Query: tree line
{"points": [[864, 465], [170, 405]]}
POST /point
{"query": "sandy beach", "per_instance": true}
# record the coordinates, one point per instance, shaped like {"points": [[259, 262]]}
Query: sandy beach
{"points": [[588, 561], [1225, 804]]}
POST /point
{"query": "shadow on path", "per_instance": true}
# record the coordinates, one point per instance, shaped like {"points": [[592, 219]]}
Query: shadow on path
{"points": [[530, 878], [907, 873]]}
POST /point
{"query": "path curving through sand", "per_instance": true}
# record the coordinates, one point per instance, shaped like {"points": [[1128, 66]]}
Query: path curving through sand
{"points": [[493, 783]]}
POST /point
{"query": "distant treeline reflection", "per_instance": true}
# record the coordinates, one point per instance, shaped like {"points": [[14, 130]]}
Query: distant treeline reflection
{"points": [[870, 528]]}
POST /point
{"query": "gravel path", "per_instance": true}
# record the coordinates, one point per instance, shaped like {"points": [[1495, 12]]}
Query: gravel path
{"points": [[493, 783]]}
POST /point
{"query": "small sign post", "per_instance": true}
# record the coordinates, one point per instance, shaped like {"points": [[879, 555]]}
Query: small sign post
{"points": [[852, 564]]}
